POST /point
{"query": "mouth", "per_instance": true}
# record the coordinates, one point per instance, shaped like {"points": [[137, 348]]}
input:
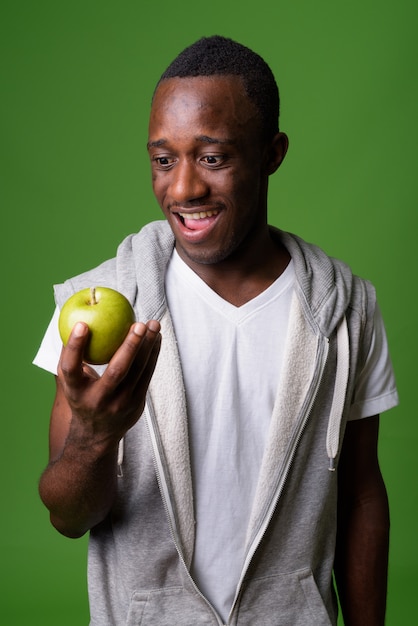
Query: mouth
{"points": [[198, 220]]}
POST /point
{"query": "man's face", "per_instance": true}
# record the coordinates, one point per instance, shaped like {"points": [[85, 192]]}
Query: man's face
{"points": [[208, 165]]}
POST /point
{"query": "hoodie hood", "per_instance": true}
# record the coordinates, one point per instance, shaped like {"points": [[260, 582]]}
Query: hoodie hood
{"points": [[324, 284]]}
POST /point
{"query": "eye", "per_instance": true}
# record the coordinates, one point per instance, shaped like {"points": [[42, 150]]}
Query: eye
{"points": [[163, 162], [213, 159]]}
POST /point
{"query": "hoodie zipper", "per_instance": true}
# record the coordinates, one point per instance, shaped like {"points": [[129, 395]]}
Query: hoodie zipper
{"points": [[162, 484], [319, 370], [159, 470]]}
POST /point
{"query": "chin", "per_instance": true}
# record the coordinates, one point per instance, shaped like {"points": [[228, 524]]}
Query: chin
{"points": [[202, 255]]}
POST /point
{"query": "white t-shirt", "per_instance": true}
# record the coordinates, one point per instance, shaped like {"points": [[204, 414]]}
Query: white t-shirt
{"points": [[231, 368]]}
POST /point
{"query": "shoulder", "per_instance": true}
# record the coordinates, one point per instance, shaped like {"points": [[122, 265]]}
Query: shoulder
{"points": [[138, 255], [327, 286], [104, 275]]}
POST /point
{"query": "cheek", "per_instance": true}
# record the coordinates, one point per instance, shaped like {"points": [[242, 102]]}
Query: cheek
{"points": [[246, 188], [158, 187]]}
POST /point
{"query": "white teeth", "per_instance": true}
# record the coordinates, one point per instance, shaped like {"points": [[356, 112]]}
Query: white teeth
{"points": [[198, 216]]}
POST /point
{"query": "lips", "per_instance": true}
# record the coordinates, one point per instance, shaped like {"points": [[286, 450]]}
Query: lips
{"points": [[199, 220]]}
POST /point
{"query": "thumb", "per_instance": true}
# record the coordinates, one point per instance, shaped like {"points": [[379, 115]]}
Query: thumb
{"points": [[72, 353]]}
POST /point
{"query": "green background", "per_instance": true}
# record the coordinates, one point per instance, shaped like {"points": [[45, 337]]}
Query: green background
{"points": [[77, 78]]}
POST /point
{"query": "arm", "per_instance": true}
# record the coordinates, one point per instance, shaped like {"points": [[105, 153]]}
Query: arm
{"points": [[89, 417], [361, 561]]}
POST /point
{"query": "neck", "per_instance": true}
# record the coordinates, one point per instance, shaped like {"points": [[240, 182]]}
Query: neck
{"points": [[247, 273]]}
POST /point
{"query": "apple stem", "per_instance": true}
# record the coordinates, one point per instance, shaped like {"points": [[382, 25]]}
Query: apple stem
{"points": [[93, 295]]}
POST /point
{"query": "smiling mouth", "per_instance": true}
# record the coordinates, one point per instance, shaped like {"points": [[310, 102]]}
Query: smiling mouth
{"points": [[197, 221], [201, 215]]}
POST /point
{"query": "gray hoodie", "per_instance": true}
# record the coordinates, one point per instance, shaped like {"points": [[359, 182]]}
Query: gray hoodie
{"points": [[140, 555]]}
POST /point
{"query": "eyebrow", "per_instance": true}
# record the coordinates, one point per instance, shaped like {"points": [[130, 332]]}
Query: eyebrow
{"points": [[156, 144], [207, 139], [203, 138]]}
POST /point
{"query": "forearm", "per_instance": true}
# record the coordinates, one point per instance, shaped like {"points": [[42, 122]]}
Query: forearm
{"points": [[79, 487], [90, 415], [362, 562]]}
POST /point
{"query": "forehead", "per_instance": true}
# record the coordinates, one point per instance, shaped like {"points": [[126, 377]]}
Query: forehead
{"points": [[212, 101]]}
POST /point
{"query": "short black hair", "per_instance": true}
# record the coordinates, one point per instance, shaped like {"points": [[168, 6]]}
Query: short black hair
{"points": [[217, 55]]}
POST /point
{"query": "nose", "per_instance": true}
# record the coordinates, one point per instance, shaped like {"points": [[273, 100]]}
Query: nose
{"points": [[187, 183]]}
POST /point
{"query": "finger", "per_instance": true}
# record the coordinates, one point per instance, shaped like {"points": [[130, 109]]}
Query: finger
{"points": [[154, 325], [72, 354], [120, 364], [136, 388], [144, 379], [147, 354]]}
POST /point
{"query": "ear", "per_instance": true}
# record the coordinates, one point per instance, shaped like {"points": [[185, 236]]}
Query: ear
{"points": [[276, 152]]}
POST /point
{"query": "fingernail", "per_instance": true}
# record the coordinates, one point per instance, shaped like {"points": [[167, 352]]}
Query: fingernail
{"points": [[138, 329], [79, 329], [154, 326]]}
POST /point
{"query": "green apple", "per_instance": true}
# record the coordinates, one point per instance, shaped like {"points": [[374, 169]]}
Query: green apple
{"points": [[108, 314]]}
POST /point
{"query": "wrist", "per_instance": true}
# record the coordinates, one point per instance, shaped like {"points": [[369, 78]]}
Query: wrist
{"points": [[87, 439]]}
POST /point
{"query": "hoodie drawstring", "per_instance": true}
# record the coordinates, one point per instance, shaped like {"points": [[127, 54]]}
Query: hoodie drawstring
{"points": [[338, 400], [120, 458]]}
